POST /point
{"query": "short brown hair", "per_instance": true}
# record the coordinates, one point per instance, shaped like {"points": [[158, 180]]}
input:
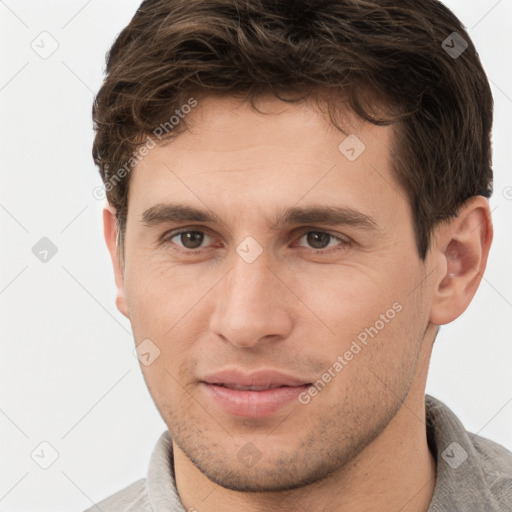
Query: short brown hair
{"points": [[395, 51]]}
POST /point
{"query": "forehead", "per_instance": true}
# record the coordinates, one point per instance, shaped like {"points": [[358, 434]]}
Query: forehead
{"points": [[233, 157]]}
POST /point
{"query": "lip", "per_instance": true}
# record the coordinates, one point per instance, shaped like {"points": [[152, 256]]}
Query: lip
{"points": [[264, 378], [273, 391]]}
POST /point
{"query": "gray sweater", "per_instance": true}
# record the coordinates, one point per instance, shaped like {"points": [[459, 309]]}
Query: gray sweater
{"points": [[474, 474]]}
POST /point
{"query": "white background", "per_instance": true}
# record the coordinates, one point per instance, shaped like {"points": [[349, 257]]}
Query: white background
{"points": [[68, 375]]}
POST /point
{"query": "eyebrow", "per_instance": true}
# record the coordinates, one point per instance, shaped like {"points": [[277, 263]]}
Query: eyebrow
{"points": [[168, 212]]}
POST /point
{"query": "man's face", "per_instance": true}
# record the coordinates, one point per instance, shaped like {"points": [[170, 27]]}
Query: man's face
{"points": [[346, 314]]}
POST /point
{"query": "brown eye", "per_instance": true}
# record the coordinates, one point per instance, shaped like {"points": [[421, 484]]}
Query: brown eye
{"points": [[191, 239], [322, 242], [318, 240], [187, 239]]}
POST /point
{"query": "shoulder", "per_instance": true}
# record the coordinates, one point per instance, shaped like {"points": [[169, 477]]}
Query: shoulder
{"points": [[133, 498], [471, 470], [496, 465]]}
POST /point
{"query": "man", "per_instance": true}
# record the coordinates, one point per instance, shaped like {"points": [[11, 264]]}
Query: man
{"points": [[298, 199]]}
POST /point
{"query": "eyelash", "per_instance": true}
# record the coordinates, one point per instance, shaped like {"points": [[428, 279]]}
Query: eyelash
{"points": [[166, 239]]}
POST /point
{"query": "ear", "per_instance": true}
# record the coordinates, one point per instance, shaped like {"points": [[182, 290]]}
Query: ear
{"points": [[110, 232], [461, 250]]}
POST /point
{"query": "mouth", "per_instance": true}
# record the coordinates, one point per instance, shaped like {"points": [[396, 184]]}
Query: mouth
{"points": [[259, 380], [255, 395], [239, 387]]}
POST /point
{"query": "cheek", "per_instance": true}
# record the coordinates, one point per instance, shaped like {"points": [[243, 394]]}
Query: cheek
{"points": [[172, 385], [167, 305], [348, 299], [160, 293], [365, 316]]}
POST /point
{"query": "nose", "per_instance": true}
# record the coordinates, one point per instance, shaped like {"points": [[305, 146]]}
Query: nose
{"points": [[252, 304]]}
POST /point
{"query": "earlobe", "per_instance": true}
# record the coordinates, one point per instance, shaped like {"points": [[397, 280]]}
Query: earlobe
{"points": [[110, 233], [462, 251]]}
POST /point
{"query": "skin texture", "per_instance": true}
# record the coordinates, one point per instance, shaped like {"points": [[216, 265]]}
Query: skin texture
{"points": [[360, 443]]}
